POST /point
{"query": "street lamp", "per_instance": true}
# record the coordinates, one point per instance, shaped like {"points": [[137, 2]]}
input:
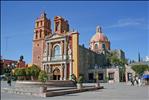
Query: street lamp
{"points": [[96, 72], [96, 75]]}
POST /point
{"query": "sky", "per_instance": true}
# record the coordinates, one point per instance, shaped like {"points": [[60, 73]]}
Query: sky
{"points": [[125, 23]]}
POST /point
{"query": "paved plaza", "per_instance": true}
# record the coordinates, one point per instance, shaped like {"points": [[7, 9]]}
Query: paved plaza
{"points": [[119, 91]]}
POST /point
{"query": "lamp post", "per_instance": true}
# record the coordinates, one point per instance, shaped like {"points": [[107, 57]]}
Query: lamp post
{"points": [[96, 72], [96, 76]]}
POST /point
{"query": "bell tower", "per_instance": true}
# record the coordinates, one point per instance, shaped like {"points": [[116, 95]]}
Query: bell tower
{"points": [[41, 30], [60, 25]]}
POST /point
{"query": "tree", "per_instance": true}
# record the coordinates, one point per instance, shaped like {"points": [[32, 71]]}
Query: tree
{"points": [[43, 77], [74, 79], [34, 71], [139, 69], [28, 72], [80, 79], [115, 61], [20, 73]]}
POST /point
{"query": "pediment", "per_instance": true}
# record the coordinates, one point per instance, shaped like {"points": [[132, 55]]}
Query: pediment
{"points": [[55, 36]]}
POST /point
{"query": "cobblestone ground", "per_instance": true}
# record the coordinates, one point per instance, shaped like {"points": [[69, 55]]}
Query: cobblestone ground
{"points": [[119, 91]]}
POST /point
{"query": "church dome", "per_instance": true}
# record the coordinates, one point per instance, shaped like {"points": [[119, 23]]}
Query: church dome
{"points": [[99, 36]]}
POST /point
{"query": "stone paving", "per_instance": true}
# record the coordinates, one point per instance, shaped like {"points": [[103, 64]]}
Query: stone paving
{"points": [[119, 91]]}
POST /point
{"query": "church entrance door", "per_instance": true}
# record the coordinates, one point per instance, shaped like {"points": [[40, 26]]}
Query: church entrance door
{"points": [[56, 74]]}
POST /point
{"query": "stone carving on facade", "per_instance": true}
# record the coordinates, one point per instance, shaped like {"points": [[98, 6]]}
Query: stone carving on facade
{"points": [[69, 51]]}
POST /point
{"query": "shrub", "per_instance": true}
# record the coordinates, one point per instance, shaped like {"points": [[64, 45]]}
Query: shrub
{"points": [[20, 72], [34, 70], [43, 77], [80, 79], [74, 79], [139, 69], [28, 71]]}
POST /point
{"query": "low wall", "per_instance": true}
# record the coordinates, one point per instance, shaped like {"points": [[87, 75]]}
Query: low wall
{"points": [[51, 83]]}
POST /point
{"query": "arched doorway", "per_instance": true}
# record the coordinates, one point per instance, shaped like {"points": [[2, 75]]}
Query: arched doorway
{"points": [[56, 74]]}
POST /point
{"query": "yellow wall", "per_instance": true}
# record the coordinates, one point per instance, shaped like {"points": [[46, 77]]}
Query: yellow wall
{"points": [[75, 53]]}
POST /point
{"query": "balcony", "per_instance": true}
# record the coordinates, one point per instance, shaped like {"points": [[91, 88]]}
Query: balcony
{"points": [[56, 58]]}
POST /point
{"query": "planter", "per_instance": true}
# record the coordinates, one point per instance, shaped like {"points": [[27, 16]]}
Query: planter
{"points": [[79, 86], [43, 89]]}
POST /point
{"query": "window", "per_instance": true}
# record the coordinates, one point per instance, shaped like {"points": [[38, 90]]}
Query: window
{"points": [[44, 67], [103, 46], [96, 46], [100, 75], [36, 35], [37, 24], [40, 34], [57, 51], [90, 76], [47, 68], [111, 76], [56, 28]]}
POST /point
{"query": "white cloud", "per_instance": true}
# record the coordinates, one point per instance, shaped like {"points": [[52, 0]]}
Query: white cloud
{"points": [[147, 58], [128, 22]]}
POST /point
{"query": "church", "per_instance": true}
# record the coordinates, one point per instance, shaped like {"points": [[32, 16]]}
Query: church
{"points": [[58, 52]]}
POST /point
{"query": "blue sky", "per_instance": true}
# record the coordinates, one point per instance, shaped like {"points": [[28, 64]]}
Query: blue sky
{"points": [[125, 23]]}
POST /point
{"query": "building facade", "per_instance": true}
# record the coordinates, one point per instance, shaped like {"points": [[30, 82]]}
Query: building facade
{"points": [[60, 55]]}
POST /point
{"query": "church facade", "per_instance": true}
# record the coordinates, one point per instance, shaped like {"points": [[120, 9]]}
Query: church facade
{"points": [[60, 55]]}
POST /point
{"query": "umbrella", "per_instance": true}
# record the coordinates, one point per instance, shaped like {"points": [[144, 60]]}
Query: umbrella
{"points": [[146, 76]]}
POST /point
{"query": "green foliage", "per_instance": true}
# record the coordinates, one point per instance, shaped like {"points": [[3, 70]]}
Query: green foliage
{"points": [[114, 60], [34, 70], [7, 72], [19, 72], [80, 79], [43, 77], [97, 76], [139, 69], [28, 71], [106, 78], [73, 77]]}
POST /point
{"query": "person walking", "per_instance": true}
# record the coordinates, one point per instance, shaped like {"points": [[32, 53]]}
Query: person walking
{"points": [[139, 81], [9, 81], [132, 82]]}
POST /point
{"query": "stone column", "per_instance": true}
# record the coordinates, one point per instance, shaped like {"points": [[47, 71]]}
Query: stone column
{"points": [[65, 45], [65, 71], [50, 51], [62, 72], [70, 68], [62, 49], [47, 49]]}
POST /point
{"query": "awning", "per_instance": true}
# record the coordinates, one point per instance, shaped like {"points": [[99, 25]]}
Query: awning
{"points": [[146, 76]]}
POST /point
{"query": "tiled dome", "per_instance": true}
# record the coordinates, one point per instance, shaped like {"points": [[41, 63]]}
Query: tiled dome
{"points": [[99, 36]]}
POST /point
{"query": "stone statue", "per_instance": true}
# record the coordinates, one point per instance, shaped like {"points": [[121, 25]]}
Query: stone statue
{"points": [[21, 58]]}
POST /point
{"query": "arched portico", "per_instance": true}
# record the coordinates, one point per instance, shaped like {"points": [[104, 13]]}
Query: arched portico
{"points": [[56, 74]]}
